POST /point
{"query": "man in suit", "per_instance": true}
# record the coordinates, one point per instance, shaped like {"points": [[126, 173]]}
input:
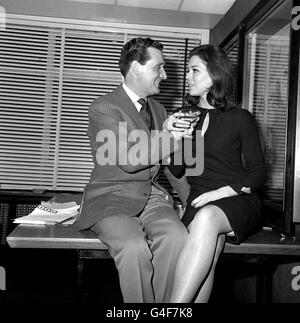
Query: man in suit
{"points": [[129, 211]]}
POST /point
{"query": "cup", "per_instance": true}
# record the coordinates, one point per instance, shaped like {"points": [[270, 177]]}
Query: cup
{"points": [[190, 114]]}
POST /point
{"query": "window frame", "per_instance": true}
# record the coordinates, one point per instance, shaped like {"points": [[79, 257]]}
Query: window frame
{"points": [[286, 220]]}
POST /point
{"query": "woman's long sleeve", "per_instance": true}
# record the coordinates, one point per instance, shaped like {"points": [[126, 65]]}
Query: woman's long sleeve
{"points": [[252, 153]]}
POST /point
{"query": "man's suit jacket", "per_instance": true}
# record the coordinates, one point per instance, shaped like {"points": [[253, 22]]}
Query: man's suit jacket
{"points": [[122, 188]]}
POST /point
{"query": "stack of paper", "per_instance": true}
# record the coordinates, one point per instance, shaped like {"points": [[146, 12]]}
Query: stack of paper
{"points": [[51, 213]]}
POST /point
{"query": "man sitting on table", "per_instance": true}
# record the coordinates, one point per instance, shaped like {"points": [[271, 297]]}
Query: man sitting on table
{"points": [[129, 211]]}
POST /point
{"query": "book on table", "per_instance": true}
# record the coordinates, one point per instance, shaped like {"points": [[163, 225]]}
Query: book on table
{"points": [[51, 213]]}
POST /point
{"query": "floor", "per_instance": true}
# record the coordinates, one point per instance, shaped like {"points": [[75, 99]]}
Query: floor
{"points": [[49, 276]]}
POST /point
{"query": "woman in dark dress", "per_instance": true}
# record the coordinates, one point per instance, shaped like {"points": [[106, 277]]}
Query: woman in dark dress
{"points": [[223, 199]]}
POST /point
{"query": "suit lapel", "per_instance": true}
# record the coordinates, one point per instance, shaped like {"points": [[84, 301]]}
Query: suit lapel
{"points": [[155, 116], [129, 107]]}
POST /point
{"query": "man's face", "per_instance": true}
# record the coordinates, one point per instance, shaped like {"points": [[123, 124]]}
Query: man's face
{"points": [[152, 73]]}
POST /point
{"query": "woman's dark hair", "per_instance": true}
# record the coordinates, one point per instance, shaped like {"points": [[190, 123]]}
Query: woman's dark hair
{"points": [[221, 72], [136, 50]]}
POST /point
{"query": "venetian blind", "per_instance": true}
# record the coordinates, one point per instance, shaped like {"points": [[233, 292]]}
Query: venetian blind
{"points": [[268, 102], [232, 53], [49, 75]]}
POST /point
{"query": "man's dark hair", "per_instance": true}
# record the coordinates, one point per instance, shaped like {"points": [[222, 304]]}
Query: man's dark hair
{"points": [[136, 50], [221, 72]]}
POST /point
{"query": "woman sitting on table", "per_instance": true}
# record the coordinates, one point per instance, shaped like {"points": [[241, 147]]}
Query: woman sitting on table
{"points": [[224, 197]]}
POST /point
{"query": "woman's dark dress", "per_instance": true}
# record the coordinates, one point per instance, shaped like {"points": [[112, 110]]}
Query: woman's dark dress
{"points": [[230, 135]]}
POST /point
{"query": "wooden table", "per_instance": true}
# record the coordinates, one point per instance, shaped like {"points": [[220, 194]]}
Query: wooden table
{"points": [[27, 236], [264, 246], [50, 236]]}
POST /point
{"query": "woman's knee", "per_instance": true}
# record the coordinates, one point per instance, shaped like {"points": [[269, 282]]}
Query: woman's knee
{"points": [[207, 218]]}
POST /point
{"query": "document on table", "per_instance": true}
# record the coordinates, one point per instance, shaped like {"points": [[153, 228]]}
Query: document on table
{"points": [[51, 213]]}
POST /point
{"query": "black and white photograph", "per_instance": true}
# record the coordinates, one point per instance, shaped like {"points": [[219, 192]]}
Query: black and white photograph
{"points": [[150, 154]]}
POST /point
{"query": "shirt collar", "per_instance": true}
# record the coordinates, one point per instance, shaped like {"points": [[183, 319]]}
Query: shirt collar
{"points": [[133, 97]]}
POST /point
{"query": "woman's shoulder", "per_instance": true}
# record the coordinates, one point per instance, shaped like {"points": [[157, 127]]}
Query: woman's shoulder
{"points": [[243, 119], [241, 113]]}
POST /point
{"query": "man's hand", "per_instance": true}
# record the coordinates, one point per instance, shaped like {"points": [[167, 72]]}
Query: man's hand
{"points": [[177, 126]]}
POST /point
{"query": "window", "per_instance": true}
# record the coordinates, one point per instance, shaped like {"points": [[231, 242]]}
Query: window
{"points": [[50, 72], [266, 93]]}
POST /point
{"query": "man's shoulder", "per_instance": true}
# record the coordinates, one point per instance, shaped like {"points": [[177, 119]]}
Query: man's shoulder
{"points": [[108, 99]]}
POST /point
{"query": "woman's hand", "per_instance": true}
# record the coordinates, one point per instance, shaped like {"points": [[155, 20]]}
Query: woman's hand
{"points": [[214, 195]]}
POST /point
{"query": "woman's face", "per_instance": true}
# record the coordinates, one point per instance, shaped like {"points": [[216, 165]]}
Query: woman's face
{"points": [[198, 78]]}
